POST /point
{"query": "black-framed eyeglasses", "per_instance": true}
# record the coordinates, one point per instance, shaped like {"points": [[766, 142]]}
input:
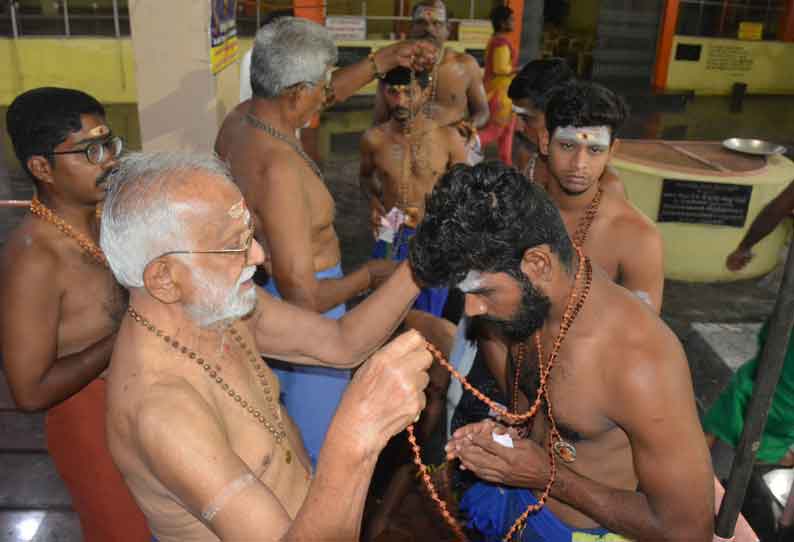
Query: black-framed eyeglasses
{"points": [[97, 151], [244, 249]]}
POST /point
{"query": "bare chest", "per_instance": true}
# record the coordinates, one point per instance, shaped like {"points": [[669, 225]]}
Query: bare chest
{"points": [[413, 163], [92, 303], [599, 244]]}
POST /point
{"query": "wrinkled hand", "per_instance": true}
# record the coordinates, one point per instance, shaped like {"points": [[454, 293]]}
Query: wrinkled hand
{"points": [[524, 465], [379, 271], [387, 392], [417, 55], [376, 212], [738, 259]]}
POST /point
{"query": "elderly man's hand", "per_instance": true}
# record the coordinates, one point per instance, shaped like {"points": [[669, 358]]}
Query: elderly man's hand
{"points": [[524, 465], [387, 393], [417, 55]]}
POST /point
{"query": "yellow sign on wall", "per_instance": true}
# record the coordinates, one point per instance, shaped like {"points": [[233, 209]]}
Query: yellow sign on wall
{"points": [[223, 34], [751, 31]]}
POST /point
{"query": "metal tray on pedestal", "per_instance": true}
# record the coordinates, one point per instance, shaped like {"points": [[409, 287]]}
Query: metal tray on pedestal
{"points": [[753, 146]]}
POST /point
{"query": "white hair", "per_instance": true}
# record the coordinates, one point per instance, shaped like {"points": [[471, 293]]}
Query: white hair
{"points": [[141, 217], [288, 51]]}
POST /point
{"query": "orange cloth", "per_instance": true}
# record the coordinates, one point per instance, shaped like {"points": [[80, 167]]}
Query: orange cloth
{"points": [[77, 443]]}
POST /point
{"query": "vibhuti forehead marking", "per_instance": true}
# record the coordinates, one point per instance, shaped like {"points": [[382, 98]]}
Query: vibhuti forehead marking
{"points": [[517, 109], [99, 131], [589, 135], [430, 13], [240, 209], [471, 282]]}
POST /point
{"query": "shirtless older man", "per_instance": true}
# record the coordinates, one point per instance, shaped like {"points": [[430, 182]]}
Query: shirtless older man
{"points": [[457, 92], [194, 421], [529, 91], [61, 306], [401, 160], [292, 209], [630, 455]]}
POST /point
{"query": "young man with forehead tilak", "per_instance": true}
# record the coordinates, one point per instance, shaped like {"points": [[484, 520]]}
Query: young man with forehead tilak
{"points": [[61, 306]]}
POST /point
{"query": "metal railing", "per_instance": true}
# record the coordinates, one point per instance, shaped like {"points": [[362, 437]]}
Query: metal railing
{"points": [[720, 18], [18, 20]]}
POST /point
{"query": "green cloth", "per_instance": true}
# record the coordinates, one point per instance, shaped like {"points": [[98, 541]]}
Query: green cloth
{"points": [[725, 419]]}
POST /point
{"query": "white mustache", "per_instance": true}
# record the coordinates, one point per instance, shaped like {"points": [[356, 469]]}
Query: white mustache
{"points": [[247, 274]]}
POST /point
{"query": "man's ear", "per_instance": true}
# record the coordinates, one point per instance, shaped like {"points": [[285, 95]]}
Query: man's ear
{"points": [[160, 281], [41, 169], [537, 264]]}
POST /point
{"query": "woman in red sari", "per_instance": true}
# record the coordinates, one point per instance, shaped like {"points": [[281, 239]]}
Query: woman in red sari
{"points": [[500, 67]]}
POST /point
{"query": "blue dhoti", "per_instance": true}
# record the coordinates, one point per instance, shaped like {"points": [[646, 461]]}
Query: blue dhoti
{"points": [[311, 394], [430, 300], [492, 509]]}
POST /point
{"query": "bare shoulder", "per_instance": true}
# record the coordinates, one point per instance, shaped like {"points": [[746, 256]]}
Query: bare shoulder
{"points": [[468, 62], [628, 222], [30, 253], [643, 348], [374, 136], [168, 409], [230, 125]]}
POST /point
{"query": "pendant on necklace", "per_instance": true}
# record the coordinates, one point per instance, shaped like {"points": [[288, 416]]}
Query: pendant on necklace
{"points": [[565, 450], [288, 456]]}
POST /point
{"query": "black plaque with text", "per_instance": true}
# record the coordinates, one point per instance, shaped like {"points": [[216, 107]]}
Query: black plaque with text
{"points": [[350, 55], [697, 202]]}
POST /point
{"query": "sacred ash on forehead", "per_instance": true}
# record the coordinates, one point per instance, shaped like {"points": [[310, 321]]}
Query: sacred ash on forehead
{"points": [[430, 12], [472, 282], [238, 210], [588, 135], [99, 131]]}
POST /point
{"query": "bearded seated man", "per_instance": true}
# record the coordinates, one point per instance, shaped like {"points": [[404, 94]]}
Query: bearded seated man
{"points": [[602, 438], [193, 421]]}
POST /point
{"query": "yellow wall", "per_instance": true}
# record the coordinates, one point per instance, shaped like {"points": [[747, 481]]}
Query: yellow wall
{"points": [[766, 66], [104, 67]]}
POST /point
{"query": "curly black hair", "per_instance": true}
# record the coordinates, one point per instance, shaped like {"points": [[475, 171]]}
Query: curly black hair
{"points": [[585, 104], [41, 119], [484, 218], [537, 79]]}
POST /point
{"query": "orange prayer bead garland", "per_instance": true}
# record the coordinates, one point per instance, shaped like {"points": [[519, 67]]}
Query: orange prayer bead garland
{"points": [[582, 229], [573, 306], [87, 245]]}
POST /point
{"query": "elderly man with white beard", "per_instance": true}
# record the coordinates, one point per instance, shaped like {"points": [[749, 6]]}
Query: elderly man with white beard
{"points": [[194, 422]]}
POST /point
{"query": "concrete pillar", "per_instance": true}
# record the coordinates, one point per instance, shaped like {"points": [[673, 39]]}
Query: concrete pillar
{"points": [[180, 102], [531, 31]]}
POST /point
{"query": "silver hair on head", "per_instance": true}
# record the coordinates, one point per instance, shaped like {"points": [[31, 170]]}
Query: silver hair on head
{"points": [[141, 217], [288, 51]]}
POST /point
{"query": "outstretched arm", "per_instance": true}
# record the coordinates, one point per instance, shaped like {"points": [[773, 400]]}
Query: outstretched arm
{"points": [[346, 81], [475, 94], [766, 221], [293, 334]]}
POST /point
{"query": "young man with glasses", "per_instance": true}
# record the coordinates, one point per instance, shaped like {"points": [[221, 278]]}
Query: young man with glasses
{"points": [[61, 306]]}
